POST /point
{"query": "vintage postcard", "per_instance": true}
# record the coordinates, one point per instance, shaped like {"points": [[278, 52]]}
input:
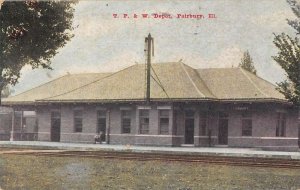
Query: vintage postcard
{"points": [[150, 94]]}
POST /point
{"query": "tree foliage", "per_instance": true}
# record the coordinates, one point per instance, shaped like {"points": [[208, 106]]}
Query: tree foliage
{"points": [[31, 34], [288, 57], [247, 63]]}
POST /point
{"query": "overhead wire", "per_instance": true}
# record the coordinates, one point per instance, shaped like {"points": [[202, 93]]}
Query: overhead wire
{"points": [[159, 82]]}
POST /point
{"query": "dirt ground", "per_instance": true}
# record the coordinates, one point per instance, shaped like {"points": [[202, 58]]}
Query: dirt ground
{"points": [[31, 172]]}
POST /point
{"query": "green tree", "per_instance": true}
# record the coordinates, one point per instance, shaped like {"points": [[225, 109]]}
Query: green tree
{"points": [[31, 33], [288, 58], [247, 63]]}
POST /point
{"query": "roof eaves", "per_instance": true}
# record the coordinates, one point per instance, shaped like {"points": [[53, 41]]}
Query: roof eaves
{"points": [[124, 100], [248, 100], [168, 99], [12, 103], [256, 100]]}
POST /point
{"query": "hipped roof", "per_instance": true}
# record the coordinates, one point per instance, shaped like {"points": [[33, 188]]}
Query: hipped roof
{"points": [[169, 82]]}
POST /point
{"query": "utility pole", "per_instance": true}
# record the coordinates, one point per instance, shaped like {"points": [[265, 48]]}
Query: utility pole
{"points": [[149, 49]]}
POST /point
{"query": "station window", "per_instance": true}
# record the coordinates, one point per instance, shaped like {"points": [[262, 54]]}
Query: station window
{"points": [[281, 125], [203, 124], [144, 121], [246, 124], [126, 121], [164, 122], [78, 120]]}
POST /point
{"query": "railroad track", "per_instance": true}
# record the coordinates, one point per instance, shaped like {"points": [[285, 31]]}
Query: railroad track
{"points": [[220, 160]]}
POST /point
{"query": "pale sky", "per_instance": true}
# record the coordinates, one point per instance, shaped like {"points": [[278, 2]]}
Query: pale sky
{"points": [[103, 43]]}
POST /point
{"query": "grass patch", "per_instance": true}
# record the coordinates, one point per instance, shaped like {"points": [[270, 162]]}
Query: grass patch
{"points": [[31, 172]]}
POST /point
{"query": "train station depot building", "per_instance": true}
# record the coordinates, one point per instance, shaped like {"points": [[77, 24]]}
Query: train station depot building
{"points": [[196, 107]]}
